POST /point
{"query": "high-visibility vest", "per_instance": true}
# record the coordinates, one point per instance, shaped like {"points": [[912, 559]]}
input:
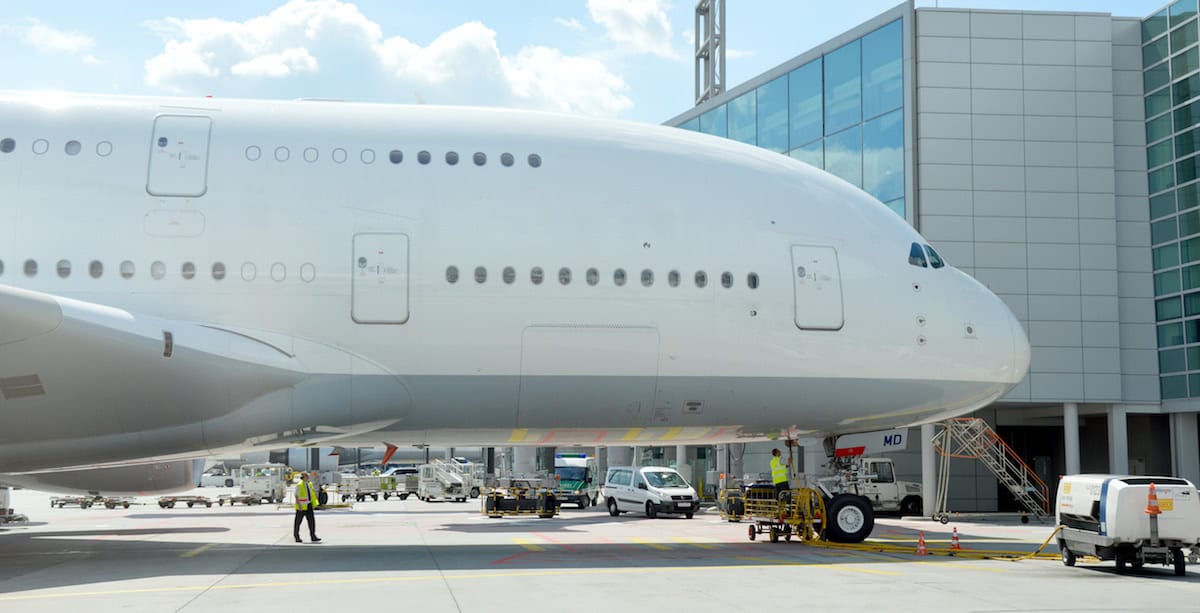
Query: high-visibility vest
{"points": [[306, 493], [779, 473]]}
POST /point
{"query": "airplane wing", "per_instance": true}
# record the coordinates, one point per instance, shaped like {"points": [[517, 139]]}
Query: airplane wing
{"points": [[83, 384]]}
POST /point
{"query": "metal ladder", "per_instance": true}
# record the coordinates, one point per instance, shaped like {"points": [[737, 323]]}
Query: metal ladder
{"points": [[449, 473], [971, 438]]}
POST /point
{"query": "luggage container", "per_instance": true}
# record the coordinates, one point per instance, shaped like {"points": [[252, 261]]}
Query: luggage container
{"points": [[1114, 517]]}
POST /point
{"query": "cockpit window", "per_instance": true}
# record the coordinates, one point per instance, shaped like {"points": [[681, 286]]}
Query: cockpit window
{"points": [[935, 260], [916, 256]]}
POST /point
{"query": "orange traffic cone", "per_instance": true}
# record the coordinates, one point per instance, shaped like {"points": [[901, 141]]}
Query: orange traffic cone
{"points": [[954, 545], [1152, 502], [921, 544]]}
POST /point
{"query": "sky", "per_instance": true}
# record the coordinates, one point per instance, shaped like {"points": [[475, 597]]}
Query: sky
{"points": [[630, 59]]}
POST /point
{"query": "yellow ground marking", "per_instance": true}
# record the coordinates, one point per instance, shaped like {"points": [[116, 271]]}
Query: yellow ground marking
{"points": [[964, 566], [632, 434], [528, 544], [197, 551], [694, 543], [651, 544], [438, 577], [775, 562], [671, 434], [518, 435]]}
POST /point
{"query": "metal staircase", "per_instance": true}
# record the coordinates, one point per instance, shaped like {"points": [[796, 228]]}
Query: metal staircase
{"points": [[972, 439]]}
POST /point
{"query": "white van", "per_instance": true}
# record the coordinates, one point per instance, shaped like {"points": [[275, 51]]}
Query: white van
{"points": [[650, 490]]}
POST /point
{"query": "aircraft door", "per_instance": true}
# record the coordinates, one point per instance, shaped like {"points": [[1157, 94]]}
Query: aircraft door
{"points": [[179, 156], [380, 279], [818, 287]]}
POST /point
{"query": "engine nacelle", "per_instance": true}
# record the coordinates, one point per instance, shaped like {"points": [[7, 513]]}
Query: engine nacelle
{"points": [[139, 480]]}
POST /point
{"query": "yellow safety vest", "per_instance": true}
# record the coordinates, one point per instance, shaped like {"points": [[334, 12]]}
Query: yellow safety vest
{"points": [[306, 493], [778, 471]]}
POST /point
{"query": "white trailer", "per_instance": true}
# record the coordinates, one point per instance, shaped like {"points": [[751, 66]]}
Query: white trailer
{"points": [[1106, 516], [441, 482], [263, 482]]}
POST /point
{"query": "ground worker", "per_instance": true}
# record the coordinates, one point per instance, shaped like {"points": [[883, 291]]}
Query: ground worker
{"points": [[306, 503], [779, 472]]}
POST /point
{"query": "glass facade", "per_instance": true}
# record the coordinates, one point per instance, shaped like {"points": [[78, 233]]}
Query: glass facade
{"points": [[843, 112], [1170, 60]]}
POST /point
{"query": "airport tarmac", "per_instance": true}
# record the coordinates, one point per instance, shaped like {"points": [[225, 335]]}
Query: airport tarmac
{"points": [[435, 557]]}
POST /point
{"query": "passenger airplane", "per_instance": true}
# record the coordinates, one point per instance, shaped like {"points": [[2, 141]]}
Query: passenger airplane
{"points": [[186, 277]]}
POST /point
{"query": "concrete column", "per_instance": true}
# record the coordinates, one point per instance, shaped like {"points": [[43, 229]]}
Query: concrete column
{"points": [[1185, 446], [637, 455], [928, 471], [683, 463], [524, 460], [449, 453], [1118, 441], [1071, 436], [736, 452], [620, 456]]}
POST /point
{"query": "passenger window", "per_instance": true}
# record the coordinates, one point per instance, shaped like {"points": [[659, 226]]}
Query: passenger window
{"points": [[564, 276], [7, 145], [509, 275], [619, 277], [916, 256], [451, 272], [536, 275], [451, 157], [593, 276], [701, 278], [189, 270], [127, 269], [883, 473], [64, 268], [726, 279], [480, 274], [935, 260], [158, 270], [96, 269], [423, 157], [218, 271], [31, 268], [647, 277], [673, 278], [752, 280], [1, 267], [506, 159], [396, 156]]}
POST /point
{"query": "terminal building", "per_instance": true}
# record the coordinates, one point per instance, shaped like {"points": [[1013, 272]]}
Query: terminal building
{"points": [[1053, 156]]}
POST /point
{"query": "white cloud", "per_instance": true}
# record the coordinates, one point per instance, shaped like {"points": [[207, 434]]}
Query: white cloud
{"points": [[639, 26], [329, 48], [737, 54], [570, 24], [53, 41]]}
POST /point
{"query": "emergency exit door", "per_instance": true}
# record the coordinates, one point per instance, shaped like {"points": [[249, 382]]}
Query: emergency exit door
{"points": [[179, 156], [380, 279], [818, 287]]}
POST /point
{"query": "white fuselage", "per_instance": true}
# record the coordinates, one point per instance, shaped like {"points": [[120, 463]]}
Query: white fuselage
{"points": [[336, 264]]}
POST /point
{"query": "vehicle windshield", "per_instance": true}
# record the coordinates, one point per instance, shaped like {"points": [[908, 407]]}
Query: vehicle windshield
{"points": [[570, 473], [665, 479]]}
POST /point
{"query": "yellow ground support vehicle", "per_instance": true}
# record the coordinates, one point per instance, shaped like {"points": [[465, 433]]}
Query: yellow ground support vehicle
{"points": [[799, 512]]}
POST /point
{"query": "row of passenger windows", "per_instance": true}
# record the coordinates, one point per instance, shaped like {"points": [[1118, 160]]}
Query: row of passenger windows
{"points": [[619, 277], [41, 146], [395, 156], [916, 256], [158, 270]]}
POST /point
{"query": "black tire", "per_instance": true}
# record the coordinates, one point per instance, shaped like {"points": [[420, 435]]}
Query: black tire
{"points": [[651, 510], [612, 507], [774, 534], [191, 504], [688, 515], [1024, 519], [170, 505], [911, 505], [945, 519], [1180, 562], [208, 505], [322, 498], [475, 492], [851, 519], [386, 496], [1068, 556], [1120, 561], [753, 532], [126, 505], [403, 496]]}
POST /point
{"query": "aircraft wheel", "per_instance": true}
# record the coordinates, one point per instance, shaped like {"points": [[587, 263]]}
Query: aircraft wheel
{"points": [[851, 519]]}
